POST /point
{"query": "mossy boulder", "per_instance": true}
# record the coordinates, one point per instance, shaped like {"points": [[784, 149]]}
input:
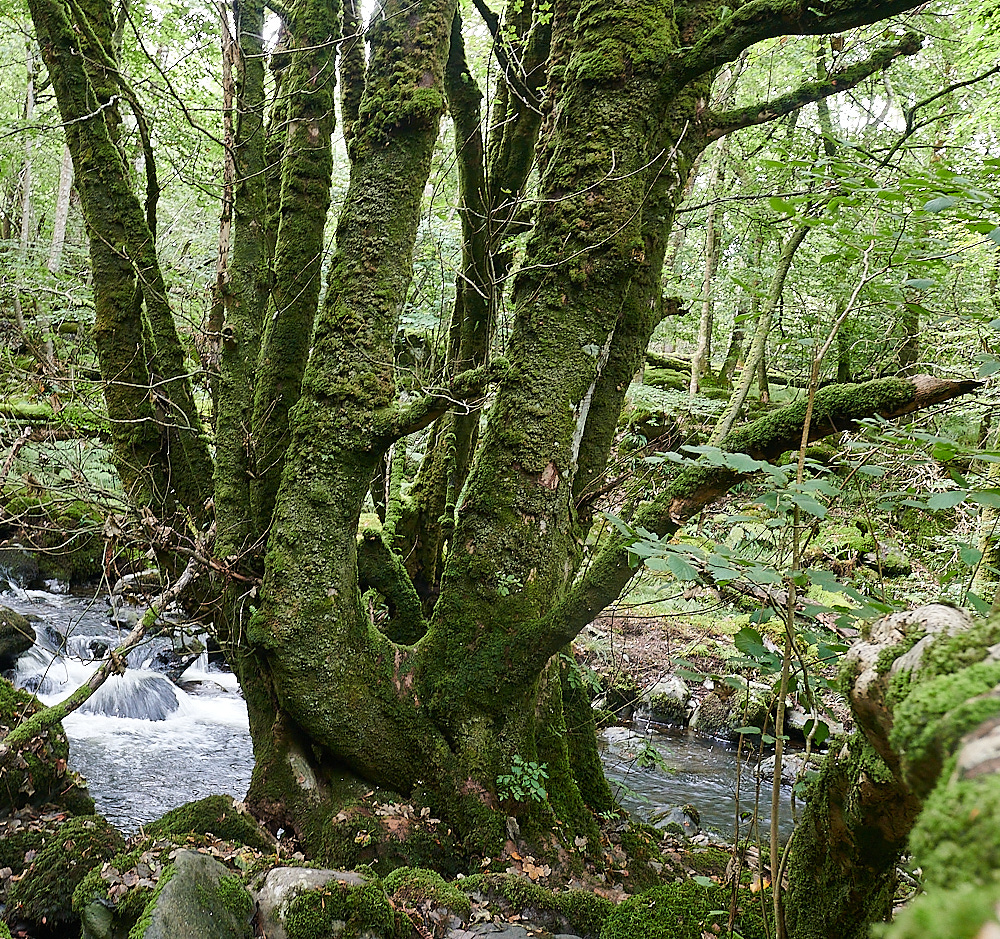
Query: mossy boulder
{"points": [[419, 887], [16, 636], [667, 701], [687, 910], [571, 911], [727, 708], [43, 897], [340, 909], [621, 695], [198, 897], [28, 830], [39, 773], [113, 898], [217, 815], [17, 565]]}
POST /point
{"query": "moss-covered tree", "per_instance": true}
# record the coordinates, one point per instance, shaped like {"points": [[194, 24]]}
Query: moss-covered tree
{"points": [[479, 563]]}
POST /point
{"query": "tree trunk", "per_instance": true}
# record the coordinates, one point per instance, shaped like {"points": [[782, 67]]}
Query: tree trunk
{"points": [[435, 708], [62, 211]]}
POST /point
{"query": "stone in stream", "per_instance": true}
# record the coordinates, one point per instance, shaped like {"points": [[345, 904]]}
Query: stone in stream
{"points": [[666, 702], [16, 636]]}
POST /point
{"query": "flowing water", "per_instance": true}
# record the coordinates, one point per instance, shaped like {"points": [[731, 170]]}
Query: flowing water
{"points": [[146, 745], [699, 772]]}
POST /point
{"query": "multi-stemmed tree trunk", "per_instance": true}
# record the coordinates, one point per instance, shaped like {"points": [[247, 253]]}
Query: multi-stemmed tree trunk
{"points": [[479, 563]]}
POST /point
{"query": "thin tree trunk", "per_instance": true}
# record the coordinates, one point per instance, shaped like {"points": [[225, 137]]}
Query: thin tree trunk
{"points": [[755, 355], [701, 361], [62, 211]]}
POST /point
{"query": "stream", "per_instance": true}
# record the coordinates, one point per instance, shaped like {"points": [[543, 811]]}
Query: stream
{"points": [[146, 744]]}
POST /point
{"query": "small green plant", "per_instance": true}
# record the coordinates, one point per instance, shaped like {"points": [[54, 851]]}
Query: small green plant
{"points": [[524, 782]]}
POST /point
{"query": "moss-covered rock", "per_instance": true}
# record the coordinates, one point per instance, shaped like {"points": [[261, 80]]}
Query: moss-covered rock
{"points": [[16, 636], [44, 895], [415, 884], [217, 815], [28, 829], [346, 911], [38, 773], [727, 708], [196, 897], [577, 911], [688, 910]]}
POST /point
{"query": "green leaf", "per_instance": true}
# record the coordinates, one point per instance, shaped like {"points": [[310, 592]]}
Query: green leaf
{"points": [[977, 603], [746, 730], [947, 500], [990, 497], [808, 504], [680, 568], [988, 367], [940, 203], [750, 642], [970, 556], [822, 730], [995, 235], [919, 283]]}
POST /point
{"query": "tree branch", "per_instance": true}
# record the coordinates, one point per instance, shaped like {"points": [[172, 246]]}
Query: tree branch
{"points": [[398, 422], [512, 71], [837, 408], [767, 19], [380, 568], [728, 121]]}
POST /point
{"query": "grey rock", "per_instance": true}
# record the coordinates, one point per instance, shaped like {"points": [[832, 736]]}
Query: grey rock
{"points": [[281, 885], [667, 701], [680, 819], [190, 905], [791, 766], [18, 567]]}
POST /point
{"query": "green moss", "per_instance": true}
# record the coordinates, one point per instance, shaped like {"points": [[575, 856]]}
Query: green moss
{"points": [[579, 910], [644, 860], [958, 913], [954, 839], [42, 775], [934, 715], [145, 918], [45, 893], [312, 914], [216, 815], [711, 861], [416, 884], [853, 830], [688, 910], [155, 858], [234, 896], [950, 654]]}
